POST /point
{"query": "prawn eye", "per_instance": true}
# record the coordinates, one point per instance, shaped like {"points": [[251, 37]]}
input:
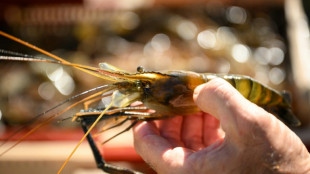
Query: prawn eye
{"points": [[140, 69], [147, 85]]}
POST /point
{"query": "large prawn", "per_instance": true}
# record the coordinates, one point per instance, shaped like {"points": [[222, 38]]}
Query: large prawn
{"points": [[166, 93]]}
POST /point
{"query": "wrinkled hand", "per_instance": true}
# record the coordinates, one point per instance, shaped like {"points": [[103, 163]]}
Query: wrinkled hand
{"points": [[250, 139]]}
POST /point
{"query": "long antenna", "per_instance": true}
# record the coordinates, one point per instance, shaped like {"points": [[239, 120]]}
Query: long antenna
{"points": [[52, 117], [64, 62], [51, 109]]}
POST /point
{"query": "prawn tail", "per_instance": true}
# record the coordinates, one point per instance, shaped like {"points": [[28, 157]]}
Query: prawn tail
{"points": [[285, 114]]}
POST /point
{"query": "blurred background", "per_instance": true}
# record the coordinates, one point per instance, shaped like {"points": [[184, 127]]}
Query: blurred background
{"points": [[267, 40]]}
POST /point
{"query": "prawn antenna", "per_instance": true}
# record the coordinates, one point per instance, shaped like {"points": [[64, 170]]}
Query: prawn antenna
{"points": [[48, 120], [51, 109], [87, 69], [35, 59], [13, 53]]}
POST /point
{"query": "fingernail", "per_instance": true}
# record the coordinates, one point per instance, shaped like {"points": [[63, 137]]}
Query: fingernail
{"points": [[197, 90]]}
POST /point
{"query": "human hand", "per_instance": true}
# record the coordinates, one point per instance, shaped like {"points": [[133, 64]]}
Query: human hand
{"points": [[250, 140]]}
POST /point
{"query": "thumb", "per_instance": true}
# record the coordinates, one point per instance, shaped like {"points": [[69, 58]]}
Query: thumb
{"points": [[236, 114]]}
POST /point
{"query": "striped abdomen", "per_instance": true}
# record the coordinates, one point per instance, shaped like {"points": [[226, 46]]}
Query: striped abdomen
{"points": [[264, 96], [255, 91]]}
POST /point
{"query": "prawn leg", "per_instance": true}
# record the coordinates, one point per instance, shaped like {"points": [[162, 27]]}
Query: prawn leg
{"points": [[101, 164], [125, 130], [132, 113]]}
